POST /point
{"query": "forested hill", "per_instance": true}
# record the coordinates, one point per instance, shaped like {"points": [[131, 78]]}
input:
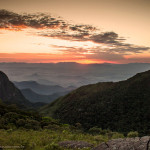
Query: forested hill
{"points": [[121, 106]]}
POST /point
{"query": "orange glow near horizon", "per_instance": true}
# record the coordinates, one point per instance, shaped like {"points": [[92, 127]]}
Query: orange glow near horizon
{"points": [[139, 55], [46, 58], [88, 61]]}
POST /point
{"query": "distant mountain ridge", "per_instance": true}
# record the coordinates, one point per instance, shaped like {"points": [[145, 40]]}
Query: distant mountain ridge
{"points": [[39, 88], [35, 97], [35, 92], [120, 106]]}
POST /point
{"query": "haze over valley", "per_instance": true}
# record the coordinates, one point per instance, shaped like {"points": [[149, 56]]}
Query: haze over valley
{"points": [[71, 74]]}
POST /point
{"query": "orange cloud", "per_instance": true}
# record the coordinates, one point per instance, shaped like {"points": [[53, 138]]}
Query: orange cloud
{"points": [[15, 28]]}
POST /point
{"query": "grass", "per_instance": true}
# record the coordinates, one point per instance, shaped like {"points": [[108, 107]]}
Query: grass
{"points": [[48, 139]]}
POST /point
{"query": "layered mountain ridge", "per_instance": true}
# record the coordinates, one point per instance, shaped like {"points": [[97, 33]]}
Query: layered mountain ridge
{"points": [[9, 94]]}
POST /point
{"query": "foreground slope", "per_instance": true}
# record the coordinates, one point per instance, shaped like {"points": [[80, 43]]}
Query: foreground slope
{"points": [[122, 106]]}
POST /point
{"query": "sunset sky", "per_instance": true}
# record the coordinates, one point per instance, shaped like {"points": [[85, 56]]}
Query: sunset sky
{"points": [[82, 31]]}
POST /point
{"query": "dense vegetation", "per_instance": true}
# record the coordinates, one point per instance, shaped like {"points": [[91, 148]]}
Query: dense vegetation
{"points": [[121, 106], [12, 117], [32, 131]]}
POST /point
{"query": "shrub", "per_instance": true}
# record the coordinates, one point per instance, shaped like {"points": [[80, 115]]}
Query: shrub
{"points": [[117, 135], [133, 134], [95, 130], [11, 126], [53, 146], [52, 127], [20, 123], [32, 124], [11, 116], [78, 125], [3, 123]]}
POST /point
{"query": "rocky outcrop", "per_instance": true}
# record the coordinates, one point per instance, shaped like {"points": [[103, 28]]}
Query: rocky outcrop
{"points": [[126, 144], [137, 143], [75, 144]]}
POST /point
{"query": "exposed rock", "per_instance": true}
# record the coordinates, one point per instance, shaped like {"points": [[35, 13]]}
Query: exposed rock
{"points": [[126, 144], [75, 144]]}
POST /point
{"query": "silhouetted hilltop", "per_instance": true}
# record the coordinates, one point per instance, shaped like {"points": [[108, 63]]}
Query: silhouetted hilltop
{"points": [[9, 94]]}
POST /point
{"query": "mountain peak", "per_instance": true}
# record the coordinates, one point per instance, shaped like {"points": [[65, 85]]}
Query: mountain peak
{"points": [[3, 75], [10, 94]]}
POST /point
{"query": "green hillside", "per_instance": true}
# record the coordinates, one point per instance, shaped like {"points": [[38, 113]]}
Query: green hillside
{"points": [[121, 106]]}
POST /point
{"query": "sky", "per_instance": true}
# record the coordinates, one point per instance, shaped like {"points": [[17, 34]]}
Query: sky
{"points": [[82, 31]]}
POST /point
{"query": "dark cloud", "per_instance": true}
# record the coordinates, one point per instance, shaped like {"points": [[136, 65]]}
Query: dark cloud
{"points": [[12, 20], [40, 20], [139, 60], [82, 28], [111, 40], [108, 37], [130, 48], [105, 56], [77, 51], [66, 36], [98, 53], [9, 18]]}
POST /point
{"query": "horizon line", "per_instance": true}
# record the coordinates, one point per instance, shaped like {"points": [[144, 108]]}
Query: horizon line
{"points": [[71, 62]]}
